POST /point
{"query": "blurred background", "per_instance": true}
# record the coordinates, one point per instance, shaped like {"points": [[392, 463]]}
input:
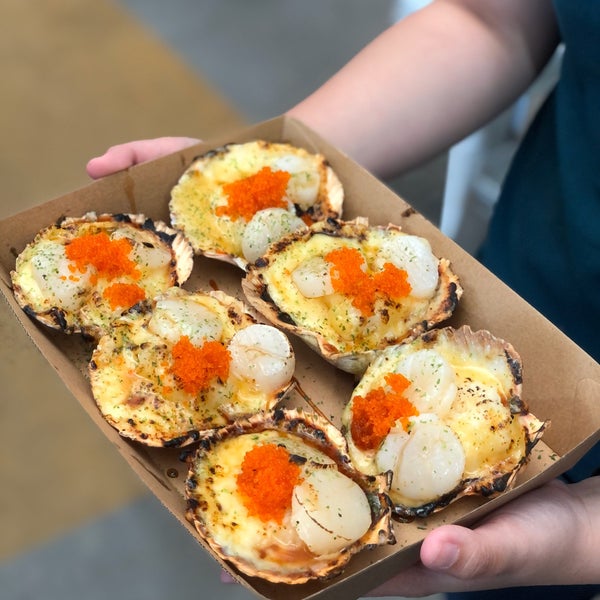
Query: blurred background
{"points": [[77, 77]]}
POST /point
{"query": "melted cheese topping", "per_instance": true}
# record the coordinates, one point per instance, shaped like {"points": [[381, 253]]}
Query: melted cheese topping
{"points": [[334, 315], [135, 383], [199, 201], [328, 512], [481, 418]]}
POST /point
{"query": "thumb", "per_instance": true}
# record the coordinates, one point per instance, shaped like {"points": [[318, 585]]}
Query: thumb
{"points": [[469, 554], [123, 156]]}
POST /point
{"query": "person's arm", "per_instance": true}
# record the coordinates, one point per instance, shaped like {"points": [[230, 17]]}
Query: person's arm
{"points": [[420, 86], [550, 536], [431, 79]]}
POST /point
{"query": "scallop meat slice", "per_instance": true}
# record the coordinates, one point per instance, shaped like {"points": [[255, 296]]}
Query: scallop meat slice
{"points": [[444, 415], [234, 201], [275, 496], [349, 289], [82, 273], [187, 362]]}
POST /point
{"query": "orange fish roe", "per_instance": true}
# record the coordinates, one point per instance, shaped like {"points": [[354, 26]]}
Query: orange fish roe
{"points": [[196, 367], [349, 276], [267, 481], [109, 257], [392, 281], [374, 415], [307, 219], [247, 196], [123, 295]]}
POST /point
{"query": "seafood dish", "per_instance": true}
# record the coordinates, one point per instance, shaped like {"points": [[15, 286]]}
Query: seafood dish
{"points": [[444, 415], [234, 201], [349, 289], [276, 497], [80, 274], [186, 362]]}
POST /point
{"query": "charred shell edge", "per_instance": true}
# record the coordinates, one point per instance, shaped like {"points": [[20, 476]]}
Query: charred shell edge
{"points": [[441, 305], [321, 434]]}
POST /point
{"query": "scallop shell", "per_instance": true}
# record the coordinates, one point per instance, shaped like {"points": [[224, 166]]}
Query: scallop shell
{"points": [[91, 315], [212, 505], [486, 415], [137, 392], [199, 193], [349, 346]]}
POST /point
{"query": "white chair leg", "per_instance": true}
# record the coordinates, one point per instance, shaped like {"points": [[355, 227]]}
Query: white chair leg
{"points": [[464, 164]]}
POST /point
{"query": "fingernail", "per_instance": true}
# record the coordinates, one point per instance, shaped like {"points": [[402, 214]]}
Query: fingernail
{"points": [[446, 557], [226, 577]]}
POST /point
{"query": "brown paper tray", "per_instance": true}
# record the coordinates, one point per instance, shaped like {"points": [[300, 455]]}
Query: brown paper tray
{"points": [[561, 381]]}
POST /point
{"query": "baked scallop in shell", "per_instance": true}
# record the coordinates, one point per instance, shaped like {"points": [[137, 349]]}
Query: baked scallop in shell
{"points": [[444, 415], [276, 497], [232, 202], [185, 363], [349, 289], [83, 272]]}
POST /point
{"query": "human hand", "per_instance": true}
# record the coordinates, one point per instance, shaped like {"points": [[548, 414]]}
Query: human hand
{"points": [[122, 156], [550, 536]]}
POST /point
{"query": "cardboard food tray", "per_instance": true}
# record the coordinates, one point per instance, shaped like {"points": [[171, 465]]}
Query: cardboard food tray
{"points": [[561, 381]]}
